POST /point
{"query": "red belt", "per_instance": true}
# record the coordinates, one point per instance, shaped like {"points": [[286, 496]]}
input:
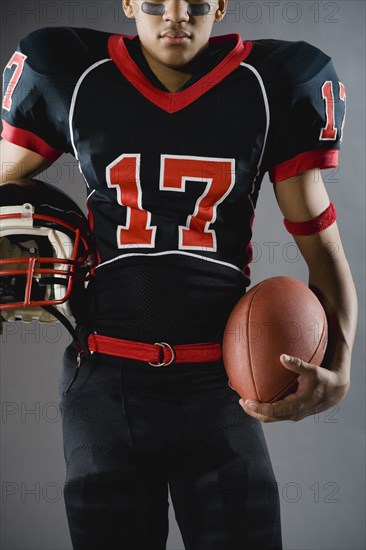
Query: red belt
{"points": [[157, 354]]}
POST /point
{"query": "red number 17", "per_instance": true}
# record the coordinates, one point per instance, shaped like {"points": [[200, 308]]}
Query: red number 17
{"points": [[124, 174]]}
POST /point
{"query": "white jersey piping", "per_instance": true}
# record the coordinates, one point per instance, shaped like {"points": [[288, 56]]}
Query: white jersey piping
{"points": [[268, 118], [72, 108], [168, 252]]}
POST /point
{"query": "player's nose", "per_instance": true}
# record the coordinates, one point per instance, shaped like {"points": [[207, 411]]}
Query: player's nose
{"points": [[176, 10]]}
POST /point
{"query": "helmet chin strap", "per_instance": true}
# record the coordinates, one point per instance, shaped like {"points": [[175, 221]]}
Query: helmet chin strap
{"points": [[64, 320], [80, 350]]}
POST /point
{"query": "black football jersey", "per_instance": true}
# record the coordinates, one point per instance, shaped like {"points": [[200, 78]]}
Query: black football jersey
{"points": [[172, 177]]}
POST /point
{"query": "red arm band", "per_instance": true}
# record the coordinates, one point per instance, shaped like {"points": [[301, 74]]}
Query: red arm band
{"points": [[316, 225]]}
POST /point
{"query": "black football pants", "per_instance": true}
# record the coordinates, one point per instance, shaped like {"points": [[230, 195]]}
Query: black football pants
{"points": [[131, 430]]}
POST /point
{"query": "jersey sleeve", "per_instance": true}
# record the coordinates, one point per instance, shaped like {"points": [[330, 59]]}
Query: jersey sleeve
{"points": [[35, 103], [307, 115]]}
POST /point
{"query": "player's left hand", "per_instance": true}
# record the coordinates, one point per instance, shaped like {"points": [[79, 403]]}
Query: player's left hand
{"points": [[318, 389]]}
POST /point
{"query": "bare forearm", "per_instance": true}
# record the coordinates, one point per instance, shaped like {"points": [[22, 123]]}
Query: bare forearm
{"points": [[17, 162], [330, 278], [303, 198]]}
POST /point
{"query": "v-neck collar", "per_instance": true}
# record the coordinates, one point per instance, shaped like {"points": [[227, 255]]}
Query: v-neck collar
{"points": [[172, 102]]}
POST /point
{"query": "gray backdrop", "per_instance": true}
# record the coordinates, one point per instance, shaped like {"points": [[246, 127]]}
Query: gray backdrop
{"points": [[318, 462]]}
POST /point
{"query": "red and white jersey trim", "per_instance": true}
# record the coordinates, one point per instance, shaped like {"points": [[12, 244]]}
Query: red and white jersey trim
{"points": [[319, 158], [172, 102], [28, 140]]}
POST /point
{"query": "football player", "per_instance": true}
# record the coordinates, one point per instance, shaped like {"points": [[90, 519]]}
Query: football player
{"points": [[174, 131]]}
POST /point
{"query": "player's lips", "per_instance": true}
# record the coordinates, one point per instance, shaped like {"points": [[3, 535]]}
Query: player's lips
{"points": [[175, 37]]}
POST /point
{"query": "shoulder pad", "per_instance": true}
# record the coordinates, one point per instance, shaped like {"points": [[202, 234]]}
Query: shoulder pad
{"points": [[291, 62], [63, 50], [299, 62]]}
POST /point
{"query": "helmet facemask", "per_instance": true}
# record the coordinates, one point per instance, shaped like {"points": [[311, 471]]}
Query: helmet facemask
{"points": [[43, 259]]}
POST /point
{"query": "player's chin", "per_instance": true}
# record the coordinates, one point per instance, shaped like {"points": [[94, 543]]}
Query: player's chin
{"points": [[178, 55]]}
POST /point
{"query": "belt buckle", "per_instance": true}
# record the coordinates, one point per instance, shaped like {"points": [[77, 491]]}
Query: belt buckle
{"points": [[163, 345]]}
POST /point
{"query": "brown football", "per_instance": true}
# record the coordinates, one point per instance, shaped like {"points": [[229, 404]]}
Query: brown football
{"points": [[278, 315]]}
